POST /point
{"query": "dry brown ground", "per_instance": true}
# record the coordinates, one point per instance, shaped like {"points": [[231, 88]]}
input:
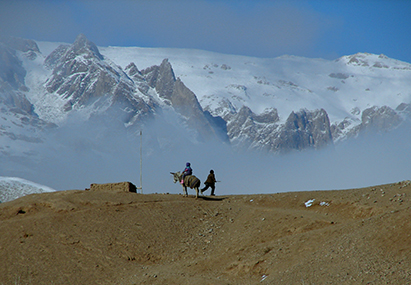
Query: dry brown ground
{"points": [[100, 237]]}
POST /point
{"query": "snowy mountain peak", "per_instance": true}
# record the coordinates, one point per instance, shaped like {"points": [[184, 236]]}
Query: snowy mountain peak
{"points": [[20, 44], [374, 61], [81, 75], [83, 46], [82, 50]]}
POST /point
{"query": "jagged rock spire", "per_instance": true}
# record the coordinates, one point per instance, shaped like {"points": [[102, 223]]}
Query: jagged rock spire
{"points": [[83, 45]]}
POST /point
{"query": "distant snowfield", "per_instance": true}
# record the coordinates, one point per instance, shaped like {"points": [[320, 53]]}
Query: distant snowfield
{"points": [[12, 188]]}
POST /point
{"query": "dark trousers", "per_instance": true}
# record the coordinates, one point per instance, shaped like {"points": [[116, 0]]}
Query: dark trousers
{"points": [[207, 185]]}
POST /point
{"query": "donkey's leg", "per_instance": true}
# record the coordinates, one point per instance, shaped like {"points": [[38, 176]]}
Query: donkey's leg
{"points": [[185, 191], [197, 192]]}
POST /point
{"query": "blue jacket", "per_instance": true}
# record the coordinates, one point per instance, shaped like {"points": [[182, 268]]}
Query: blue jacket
{"points": [[188, 171]]}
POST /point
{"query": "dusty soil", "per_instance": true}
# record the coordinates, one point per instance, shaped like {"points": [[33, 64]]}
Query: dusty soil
{"points": [[358, 236]]}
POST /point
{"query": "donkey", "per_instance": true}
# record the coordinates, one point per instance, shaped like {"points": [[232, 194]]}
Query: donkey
{"points": [[189, 181]]}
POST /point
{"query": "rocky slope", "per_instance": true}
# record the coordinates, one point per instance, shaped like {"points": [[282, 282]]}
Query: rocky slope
{"points": [[83, 78], [19, 123]]}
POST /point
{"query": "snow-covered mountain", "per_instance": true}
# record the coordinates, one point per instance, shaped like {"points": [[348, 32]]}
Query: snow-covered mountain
{"points": [[12, 188], [256, 97], [276, 104], [287, 83]]}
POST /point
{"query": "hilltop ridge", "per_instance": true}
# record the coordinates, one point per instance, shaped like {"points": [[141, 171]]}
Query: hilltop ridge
{"points": [[113, 237]]}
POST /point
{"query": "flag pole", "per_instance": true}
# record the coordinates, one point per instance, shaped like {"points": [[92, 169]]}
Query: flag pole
{"points": [[141, 162]]}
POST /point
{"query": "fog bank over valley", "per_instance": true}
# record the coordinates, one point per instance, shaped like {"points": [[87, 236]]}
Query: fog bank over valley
{"points": [[80, 153]]}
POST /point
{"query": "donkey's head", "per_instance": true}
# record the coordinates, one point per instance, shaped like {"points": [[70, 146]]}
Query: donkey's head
{"points": [[176, 176]]}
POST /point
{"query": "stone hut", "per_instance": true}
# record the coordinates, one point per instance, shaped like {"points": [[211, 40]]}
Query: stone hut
{"points": [[116, 187]]}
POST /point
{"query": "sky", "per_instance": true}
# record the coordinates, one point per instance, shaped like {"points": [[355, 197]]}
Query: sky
{"points": [[259, 28]]}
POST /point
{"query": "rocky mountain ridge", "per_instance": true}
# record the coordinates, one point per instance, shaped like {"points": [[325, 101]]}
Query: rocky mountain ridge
{"points": [[19, 122], [78, 78]]}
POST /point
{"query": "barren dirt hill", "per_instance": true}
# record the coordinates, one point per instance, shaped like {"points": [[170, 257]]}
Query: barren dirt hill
{"points": [[359, 236]]}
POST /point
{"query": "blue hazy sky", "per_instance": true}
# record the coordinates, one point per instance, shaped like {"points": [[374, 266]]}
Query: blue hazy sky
{"points": [[323, 28]]}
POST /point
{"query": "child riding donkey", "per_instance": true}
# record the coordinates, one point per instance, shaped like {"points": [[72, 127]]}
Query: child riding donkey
{"points": [[187, 171]]}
